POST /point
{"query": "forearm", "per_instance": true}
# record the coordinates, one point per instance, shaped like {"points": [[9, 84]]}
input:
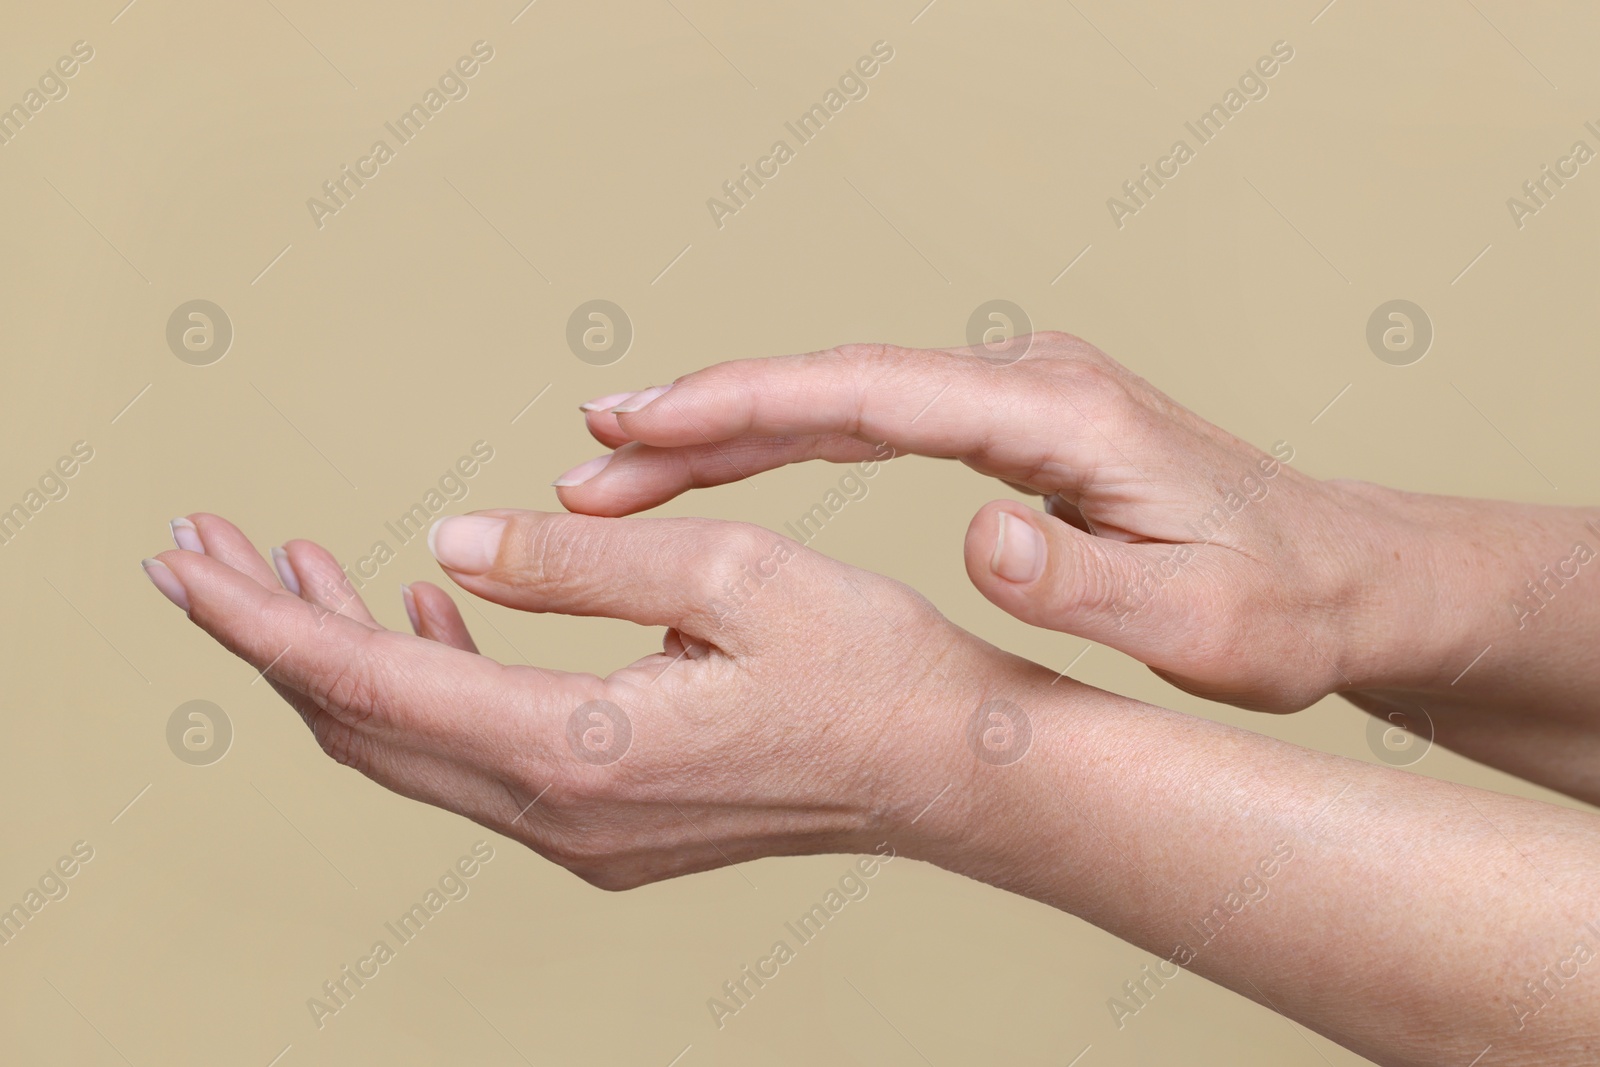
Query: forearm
{"points": [[1485, 615], [1396, 914]]}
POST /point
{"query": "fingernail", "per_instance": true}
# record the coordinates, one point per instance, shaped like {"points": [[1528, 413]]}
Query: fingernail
{"points": [[466, 543], [584, 471], [1018, 550], [285, 569], [639, 400], [411, 608], [186, 537], [604, 403], [167, 582]]}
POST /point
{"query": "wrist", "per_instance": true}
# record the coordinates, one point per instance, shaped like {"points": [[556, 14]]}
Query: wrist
{"points": [[1428, 583], [962, 749]]}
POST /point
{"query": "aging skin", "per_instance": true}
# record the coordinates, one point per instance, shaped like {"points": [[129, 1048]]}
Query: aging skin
{"points": [[828, 711], [1227, 571]]}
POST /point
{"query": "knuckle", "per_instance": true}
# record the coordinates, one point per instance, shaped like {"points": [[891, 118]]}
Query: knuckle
{"points": [[1094, 382], [544, 552], [284, 617], [528, 550], [894, 597], [732, 372], [733, 558], [737, 543], [1065, 344], [352, 688], [1086, 369], [906, 615], [863, 352], [1094, 583]]}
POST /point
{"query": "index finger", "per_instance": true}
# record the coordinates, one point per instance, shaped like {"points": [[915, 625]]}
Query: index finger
{"points": [[1021, 421]]}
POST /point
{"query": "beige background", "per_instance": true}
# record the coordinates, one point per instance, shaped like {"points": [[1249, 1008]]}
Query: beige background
{"points": [[430, 311]]}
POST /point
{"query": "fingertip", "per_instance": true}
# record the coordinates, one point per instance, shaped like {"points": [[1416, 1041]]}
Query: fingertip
{"points": [[584, 500], [186, 535], [217, 538], [986, 533], [1019, 550], [425, 603], [640, 400], [605, 403], [674, 415], [604, 428], [312, 573], [583, 471], [1007, 558], [468, 544], [435, 617], [285, 568], [169, 584], [410, 602]]}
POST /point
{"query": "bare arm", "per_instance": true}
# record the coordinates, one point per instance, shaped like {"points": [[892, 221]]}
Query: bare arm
{"points": [[1412, 920], [1495, 608], [825, 709]]}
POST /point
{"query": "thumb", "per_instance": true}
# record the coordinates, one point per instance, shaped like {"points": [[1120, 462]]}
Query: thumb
{"points": [[679, 573], [1046, 572]]}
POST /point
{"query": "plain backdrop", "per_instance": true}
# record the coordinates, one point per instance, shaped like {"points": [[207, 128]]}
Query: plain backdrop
{"points": [[430, 312]]}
